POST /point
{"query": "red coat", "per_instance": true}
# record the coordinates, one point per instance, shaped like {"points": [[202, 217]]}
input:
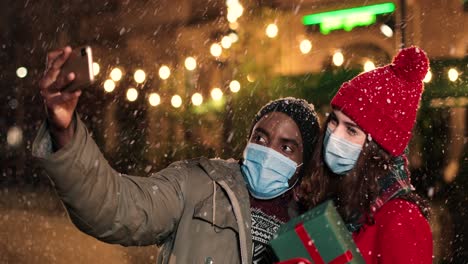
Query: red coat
{"points": [[400, 234]]}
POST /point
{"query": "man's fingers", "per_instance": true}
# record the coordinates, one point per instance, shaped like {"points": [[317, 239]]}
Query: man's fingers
{"points": [[51, 56], [66, 96], [55, 60], [61, 83], [49, 86], [53, 99], [60, 60], [48, 79]]}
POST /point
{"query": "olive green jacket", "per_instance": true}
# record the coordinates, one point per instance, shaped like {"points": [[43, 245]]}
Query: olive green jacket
{"points": [[197, 210]]}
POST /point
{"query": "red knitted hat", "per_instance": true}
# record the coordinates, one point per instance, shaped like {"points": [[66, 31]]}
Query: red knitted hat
{"points": [[384, 101]]}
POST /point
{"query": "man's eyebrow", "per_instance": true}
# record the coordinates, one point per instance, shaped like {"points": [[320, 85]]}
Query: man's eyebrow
{"points": [[290, 140], [261, 130]]}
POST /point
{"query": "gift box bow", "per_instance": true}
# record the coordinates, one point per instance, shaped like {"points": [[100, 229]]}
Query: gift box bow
{"points": [[313, 251]]}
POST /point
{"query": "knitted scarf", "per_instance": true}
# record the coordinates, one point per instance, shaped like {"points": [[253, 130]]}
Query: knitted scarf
{"points": [[395, 184]]}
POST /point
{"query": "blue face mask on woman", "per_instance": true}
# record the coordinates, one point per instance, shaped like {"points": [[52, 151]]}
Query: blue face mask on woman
{"points": [[340, 155], [266, 171]]}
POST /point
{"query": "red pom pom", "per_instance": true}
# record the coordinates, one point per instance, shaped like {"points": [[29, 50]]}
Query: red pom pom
{"points": [[411, 64]]}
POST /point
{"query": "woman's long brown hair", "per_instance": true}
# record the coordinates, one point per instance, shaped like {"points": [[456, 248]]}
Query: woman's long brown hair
{"points": [[354, 192]]}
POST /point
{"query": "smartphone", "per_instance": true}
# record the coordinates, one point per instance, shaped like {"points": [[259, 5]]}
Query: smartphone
{"points": [[80, 62]]}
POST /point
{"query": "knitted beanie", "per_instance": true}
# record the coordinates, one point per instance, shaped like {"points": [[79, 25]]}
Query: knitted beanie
{"points": [[384, 101], [302, 113]]}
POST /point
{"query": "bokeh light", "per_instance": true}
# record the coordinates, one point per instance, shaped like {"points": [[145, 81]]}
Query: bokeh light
{"points": [[164, 72], [21, 72], [234, 86], [139, 76], [14, 136], [338, 58], [216, 94], [386, 30], [305, 46], [216, 50], [453, 74], [226, 42], [428, 77], [154, 99], [369, 66], [109, 85], [96, 68], [272, 30], [190, 63], [176, 101], [197, 99], [116, 74], [132, 94]]}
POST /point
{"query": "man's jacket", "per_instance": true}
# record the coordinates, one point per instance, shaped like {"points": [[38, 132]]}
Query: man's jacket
{"points": [[198, 211]]}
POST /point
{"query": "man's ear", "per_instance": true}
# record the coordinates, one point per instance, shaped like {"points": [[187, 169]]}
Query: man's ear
{"points": [[296, 191]]}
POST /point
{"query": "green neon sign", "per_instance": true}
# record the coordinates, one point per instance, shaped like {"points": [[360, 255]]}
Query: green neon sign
{"points": [[348, 19]]}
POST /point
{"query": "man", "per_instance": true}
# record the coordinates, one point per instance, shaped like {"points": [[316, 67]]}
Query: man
{"points": [[200, 210]]}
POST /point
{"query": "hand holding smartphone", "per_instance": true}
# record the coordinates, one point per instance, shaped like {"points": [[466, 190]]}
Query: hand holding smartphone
{"points": [[80, 63]]}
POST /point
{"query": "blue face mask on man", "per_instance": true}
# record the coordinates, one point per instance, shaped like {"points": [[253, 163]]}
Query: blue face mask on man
{"points": [[267, 171], [340, 155]]}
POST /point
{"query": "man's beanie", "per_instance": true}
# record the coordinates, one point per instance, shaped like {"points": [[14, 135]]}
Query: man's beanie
{"points": [[384, 101], [302, 113]]}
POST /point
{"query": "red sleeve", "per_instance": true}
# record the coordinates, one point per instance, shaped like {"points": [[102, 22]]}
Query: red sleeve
{"points": [[404, 234]]}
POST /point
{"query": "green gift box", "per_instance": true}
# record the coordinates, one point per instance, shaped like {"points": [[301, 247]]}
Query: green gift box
{"points": [[318, 236]]}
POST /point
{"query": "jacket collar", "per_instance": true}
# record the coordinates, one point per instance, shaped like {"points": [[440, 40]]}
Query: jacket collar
{"points": [[227, 174]]}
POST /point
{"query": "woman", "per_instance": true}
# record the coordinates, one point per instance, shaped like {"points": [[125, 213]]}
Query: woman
{"points": [[363, 165]]}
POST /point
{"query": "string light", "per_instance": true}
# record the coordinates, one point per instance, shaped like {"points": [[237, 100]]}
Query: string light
{"points": [[216, 94], [139, 76], [109, 85], [453, 74], [116, 74], [164, 72], [272, 30], [154, 99], [176, 101], [386, 30], [369, 66], [428, 77], [234, 37], [234, 25], [250, 78], [231, 17], [190, 63], [235, 10], [234, 86], [14, 136], [132, 94], [197, 99], [21, 72], [338, 58], [305, 46], [96, 68], [216, 50], [226, 42]]}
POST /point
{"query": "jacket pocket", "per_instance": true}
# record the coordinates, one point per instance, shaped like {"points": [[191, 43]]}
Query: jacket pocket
{"points": [[217, 210]]}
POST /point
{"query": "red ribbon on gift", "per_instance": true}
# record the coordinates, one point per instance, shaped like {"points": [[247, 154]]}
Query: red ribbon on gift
{"points": [[313, 251]]}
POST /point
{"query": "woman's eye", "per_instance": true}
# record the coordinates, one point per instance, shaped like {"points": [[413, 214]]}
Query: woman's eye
{"points": [[352, 131]]}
